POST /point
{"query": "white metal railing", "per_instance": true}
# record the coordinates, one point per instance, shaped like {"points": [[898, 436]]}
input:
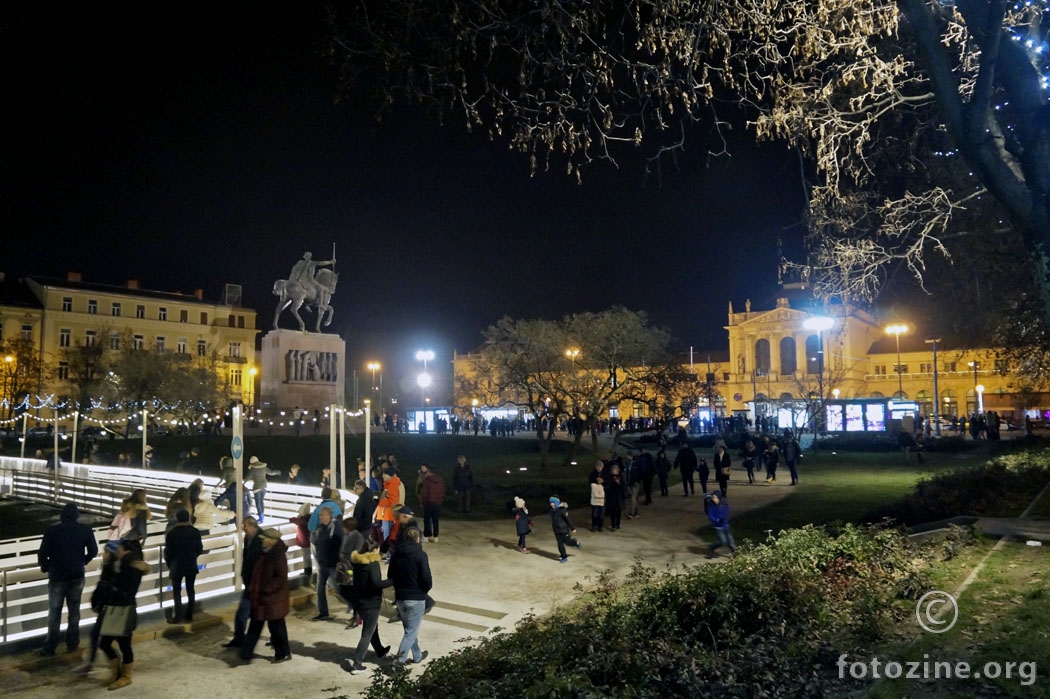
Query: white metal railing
{"points": [[100, 490]]}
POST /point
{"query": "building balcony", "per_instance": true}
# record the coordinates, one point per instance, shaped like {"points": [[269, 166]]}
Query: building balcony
{"points": [[235, 360]]}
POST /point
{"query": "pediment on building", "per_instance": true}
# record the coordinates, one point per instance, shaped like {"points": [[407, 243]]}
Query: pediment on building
{"points": [[777, 315]]}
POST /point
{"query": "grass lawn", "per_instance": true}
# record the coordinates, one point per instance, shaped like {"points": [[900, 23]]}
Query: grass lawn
{"points": [[843, 487]]}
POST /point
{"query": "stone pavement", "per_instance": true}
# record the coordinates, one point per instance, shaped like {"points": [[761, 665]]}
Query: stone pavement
{"points": [[481, 582]]}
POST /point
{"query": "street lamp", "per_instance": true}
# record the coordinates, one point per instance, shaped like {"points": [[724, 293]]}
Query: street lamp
{"points": [[572, 354], [936, 403], [251, 389], [820, 324], [976, 365], [374, 367], [896, 330], [980, 399]]}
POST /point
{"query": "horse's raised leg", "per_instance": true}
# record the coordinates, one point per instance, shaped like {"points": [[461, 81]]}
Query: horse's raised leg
{"points": [[280, 308]]}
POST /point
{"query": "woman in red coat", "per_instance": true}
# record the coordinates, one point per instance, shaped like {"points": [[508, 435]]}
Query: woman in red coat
{"points": [[268, 593]]}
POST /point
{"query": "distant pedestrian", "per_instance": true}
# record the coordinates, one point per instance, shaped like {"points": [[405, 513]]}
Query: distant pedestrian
{"points": [[203, 513], [317, 422], [663, 470], [120, 615], [685, 462], [140, 515], [749, 454], [463, 483], [792, 455], [522, 523], [409, 572], [302, 537], [615, 489], [647, 470], [723, 467], [597, 502], [562, 525], [65, 550], [431, 497], [364, 508], [704, 471], [718, 514], [258, 471], [390, 496], [182, 547], [771, 457], [328, 539], [269, 595], [634, 485]]}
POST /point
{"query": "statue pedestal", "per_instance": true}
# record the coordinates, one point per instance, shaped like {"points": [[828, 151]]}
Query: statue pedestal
{"points": [[301, 369]]}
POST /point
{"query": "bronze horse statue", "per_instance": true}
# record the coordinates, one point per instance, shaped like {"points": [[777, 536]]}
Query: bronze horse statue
{"points": [[293, 293]]}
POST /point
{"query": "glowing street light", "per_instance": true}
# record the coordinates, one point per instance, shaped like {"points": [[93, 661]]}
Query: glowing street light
{"points": [[572, 354], [424, 380], [897, 330], [980, 399], [820, 324], [374, 367]]}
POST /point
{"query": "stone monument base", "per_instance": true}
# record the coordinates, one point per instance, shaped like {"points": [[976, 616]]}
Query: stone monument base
{"points": [[301, 369]]}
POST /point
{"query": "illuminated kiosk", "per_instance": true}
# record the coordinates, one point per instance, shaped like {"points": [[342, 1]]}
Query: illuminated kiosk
{"points": [[870, 415]]}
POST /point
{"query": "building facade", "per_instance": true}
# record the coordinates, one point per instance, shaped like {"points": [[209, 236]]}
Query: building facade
{"points": [[59, 314]]}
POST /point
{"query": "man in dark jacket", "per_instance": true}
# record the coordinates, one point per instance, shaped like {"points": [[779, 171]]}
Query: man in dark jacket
{"points": [[685, 461], [251, 550], [364, 508], [182, 546], [463, 483], [646, 470], [409, 571], [64, 551], [327, 542], [431, 498]]}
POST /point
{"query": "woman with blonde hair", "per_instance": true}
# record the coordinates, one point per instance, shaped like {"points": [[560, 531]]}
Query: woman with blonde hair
{"points": [[179, 500]]}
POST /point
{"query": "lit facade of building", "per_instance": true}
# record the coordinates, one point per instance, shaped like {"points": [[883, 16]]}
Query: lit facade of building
{"points": [[70, 312]]}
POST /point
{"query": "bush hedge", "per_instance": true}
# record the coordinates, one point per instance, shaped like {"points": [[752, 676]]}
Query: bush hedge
{"points": [[769, 622]]}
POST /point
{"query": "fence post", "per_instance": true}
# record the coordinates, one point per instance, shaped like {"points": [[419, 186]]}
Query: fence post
{"points": [[3, 603], [160, 579]]}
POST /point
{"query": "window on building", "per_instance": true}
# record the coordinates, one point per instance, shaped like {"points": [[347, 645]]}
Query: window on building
{"points": [[64, 336], [114, 341], [925, 368], [180, 345], [140, 312], [116, 309], [184, 316], [762, 356], [27, 331], [725, 376], [67, 303], [92, 307], [788, 356], [949, 367], [231, 320], [240, 321], [235, 377], [813, 354], [138, 342], [235, 349], [1001, 366], [160, 344], [202, 348], [63, 371], [89, 338], [162, 313], [204, 318], [900, 368]]}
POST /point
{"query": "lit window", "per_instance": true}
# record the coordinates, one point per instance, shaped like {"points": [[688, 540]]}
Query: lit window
{"points": [[180, 345], [64, 337], [27, 331], [92, 306], [235, 377], [116, 309], [67, 303], [162, 313], [235, 349], [63, 371], [140, 312], [89, 338], [138, 342], [202, 348], [114, 341]]}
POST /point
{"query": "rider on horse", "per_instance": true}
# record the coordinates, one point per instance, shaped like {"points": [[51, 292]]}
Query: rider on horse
{"points": [[304, 271]]}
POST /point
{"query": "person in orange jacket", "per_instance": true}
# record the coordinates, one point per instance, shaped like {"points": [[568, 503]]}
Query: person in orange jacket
{"points": [[393, 493]]}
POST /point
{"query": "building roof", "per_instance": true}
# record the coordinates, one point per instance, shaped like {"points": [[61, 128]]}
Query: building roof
{"points": [[15, 293], [79, 285], [911, 343]]}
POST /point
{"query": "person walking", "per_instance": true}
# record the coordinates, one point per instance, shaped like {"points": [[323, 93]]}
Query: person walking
{"points": [[522, 523], [722, 465], [749, 454], [390, 497], [65, 550], [120, 616], [463, 483], [634, 485], [793, 454], [257, 472], [771, 457], [663, 470], [614, 492], [268, 593], [409, 572], [431, 497], [718, 514], [140, 515], [107, 572], [364, 508], [685, 462], [182, 547], [368, 600], [328, 539], [704, 471], [597, 502], [562, 525], [647, 469], [251, 550]]}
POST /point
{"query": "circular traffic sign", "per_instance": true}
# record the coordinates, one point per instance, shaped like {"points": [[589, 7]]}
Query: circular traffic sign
{"points": [[237, 447]]}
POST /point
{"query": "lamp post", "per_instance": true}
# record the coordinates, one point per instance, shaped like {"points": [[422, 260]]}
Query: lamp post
{"points": [[251, 390], [980, 399], [424, 379], [896, 330], [820, 324], [975, 365], [936, 399], [374, 367]]}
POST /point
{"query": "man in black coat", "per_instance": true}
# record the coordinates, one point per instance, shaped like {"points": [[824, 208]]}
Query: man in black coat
{"points": [[463, 483], [64, 551], [685, 461], [364, 508], [251, 551], [182, 547], [409, 571]]}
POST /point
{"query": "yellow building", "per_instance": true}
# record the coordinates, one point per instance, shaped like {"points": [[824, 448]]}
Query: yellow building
{"points": [[71, 311], [775, 368]]}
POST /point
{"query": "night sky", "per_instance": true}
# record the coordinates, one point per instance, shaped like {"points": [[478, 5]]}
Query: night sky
{"points": [[203, 144]]}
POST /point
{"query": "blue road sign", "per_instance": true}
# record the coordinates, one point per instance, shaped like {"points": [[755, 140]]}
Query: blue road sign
{"points": [[237, 447]]}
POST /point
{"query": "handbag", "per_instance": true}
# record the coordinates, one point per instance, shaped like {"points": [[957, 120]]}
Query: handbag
{"points": [[344, 574], [118, 620]]}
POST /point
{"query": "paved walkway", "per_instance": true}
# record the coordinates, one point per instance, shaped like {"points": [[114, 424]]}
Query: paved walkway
{"points": [[481, 582]]}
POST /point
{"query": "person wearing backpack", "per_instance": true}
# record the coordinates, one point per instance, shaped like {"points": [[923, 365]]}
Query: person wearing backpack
{"points": [[431, 497]]}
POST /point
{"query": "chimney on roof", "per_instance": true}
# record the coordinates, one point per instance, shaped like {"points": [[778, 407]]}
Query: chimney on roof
{"points": [[74, 277], [199, 293], [133, 283]]}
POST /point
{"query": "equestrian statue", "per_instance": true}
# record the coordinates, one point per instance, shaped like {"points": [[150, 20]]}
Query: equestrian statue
{"points": [[307, 286]]}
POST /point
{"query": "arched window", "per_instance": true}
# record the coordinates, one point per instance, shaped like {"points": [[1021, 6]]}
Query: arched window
{"points": [[949, 403], [812, 352], [925, 400], [900, 395], [762, 356], [877, 394], [788, 357]]}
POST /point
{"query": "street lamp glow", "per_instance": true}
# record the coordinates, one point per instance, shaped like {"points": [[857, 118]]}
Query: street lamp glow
{"points": [[819, 323], [897, 330], [572, 354], [835, 392], [253, 371], [980, 398], [373, 366], [424, 380], [424, 355]]}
